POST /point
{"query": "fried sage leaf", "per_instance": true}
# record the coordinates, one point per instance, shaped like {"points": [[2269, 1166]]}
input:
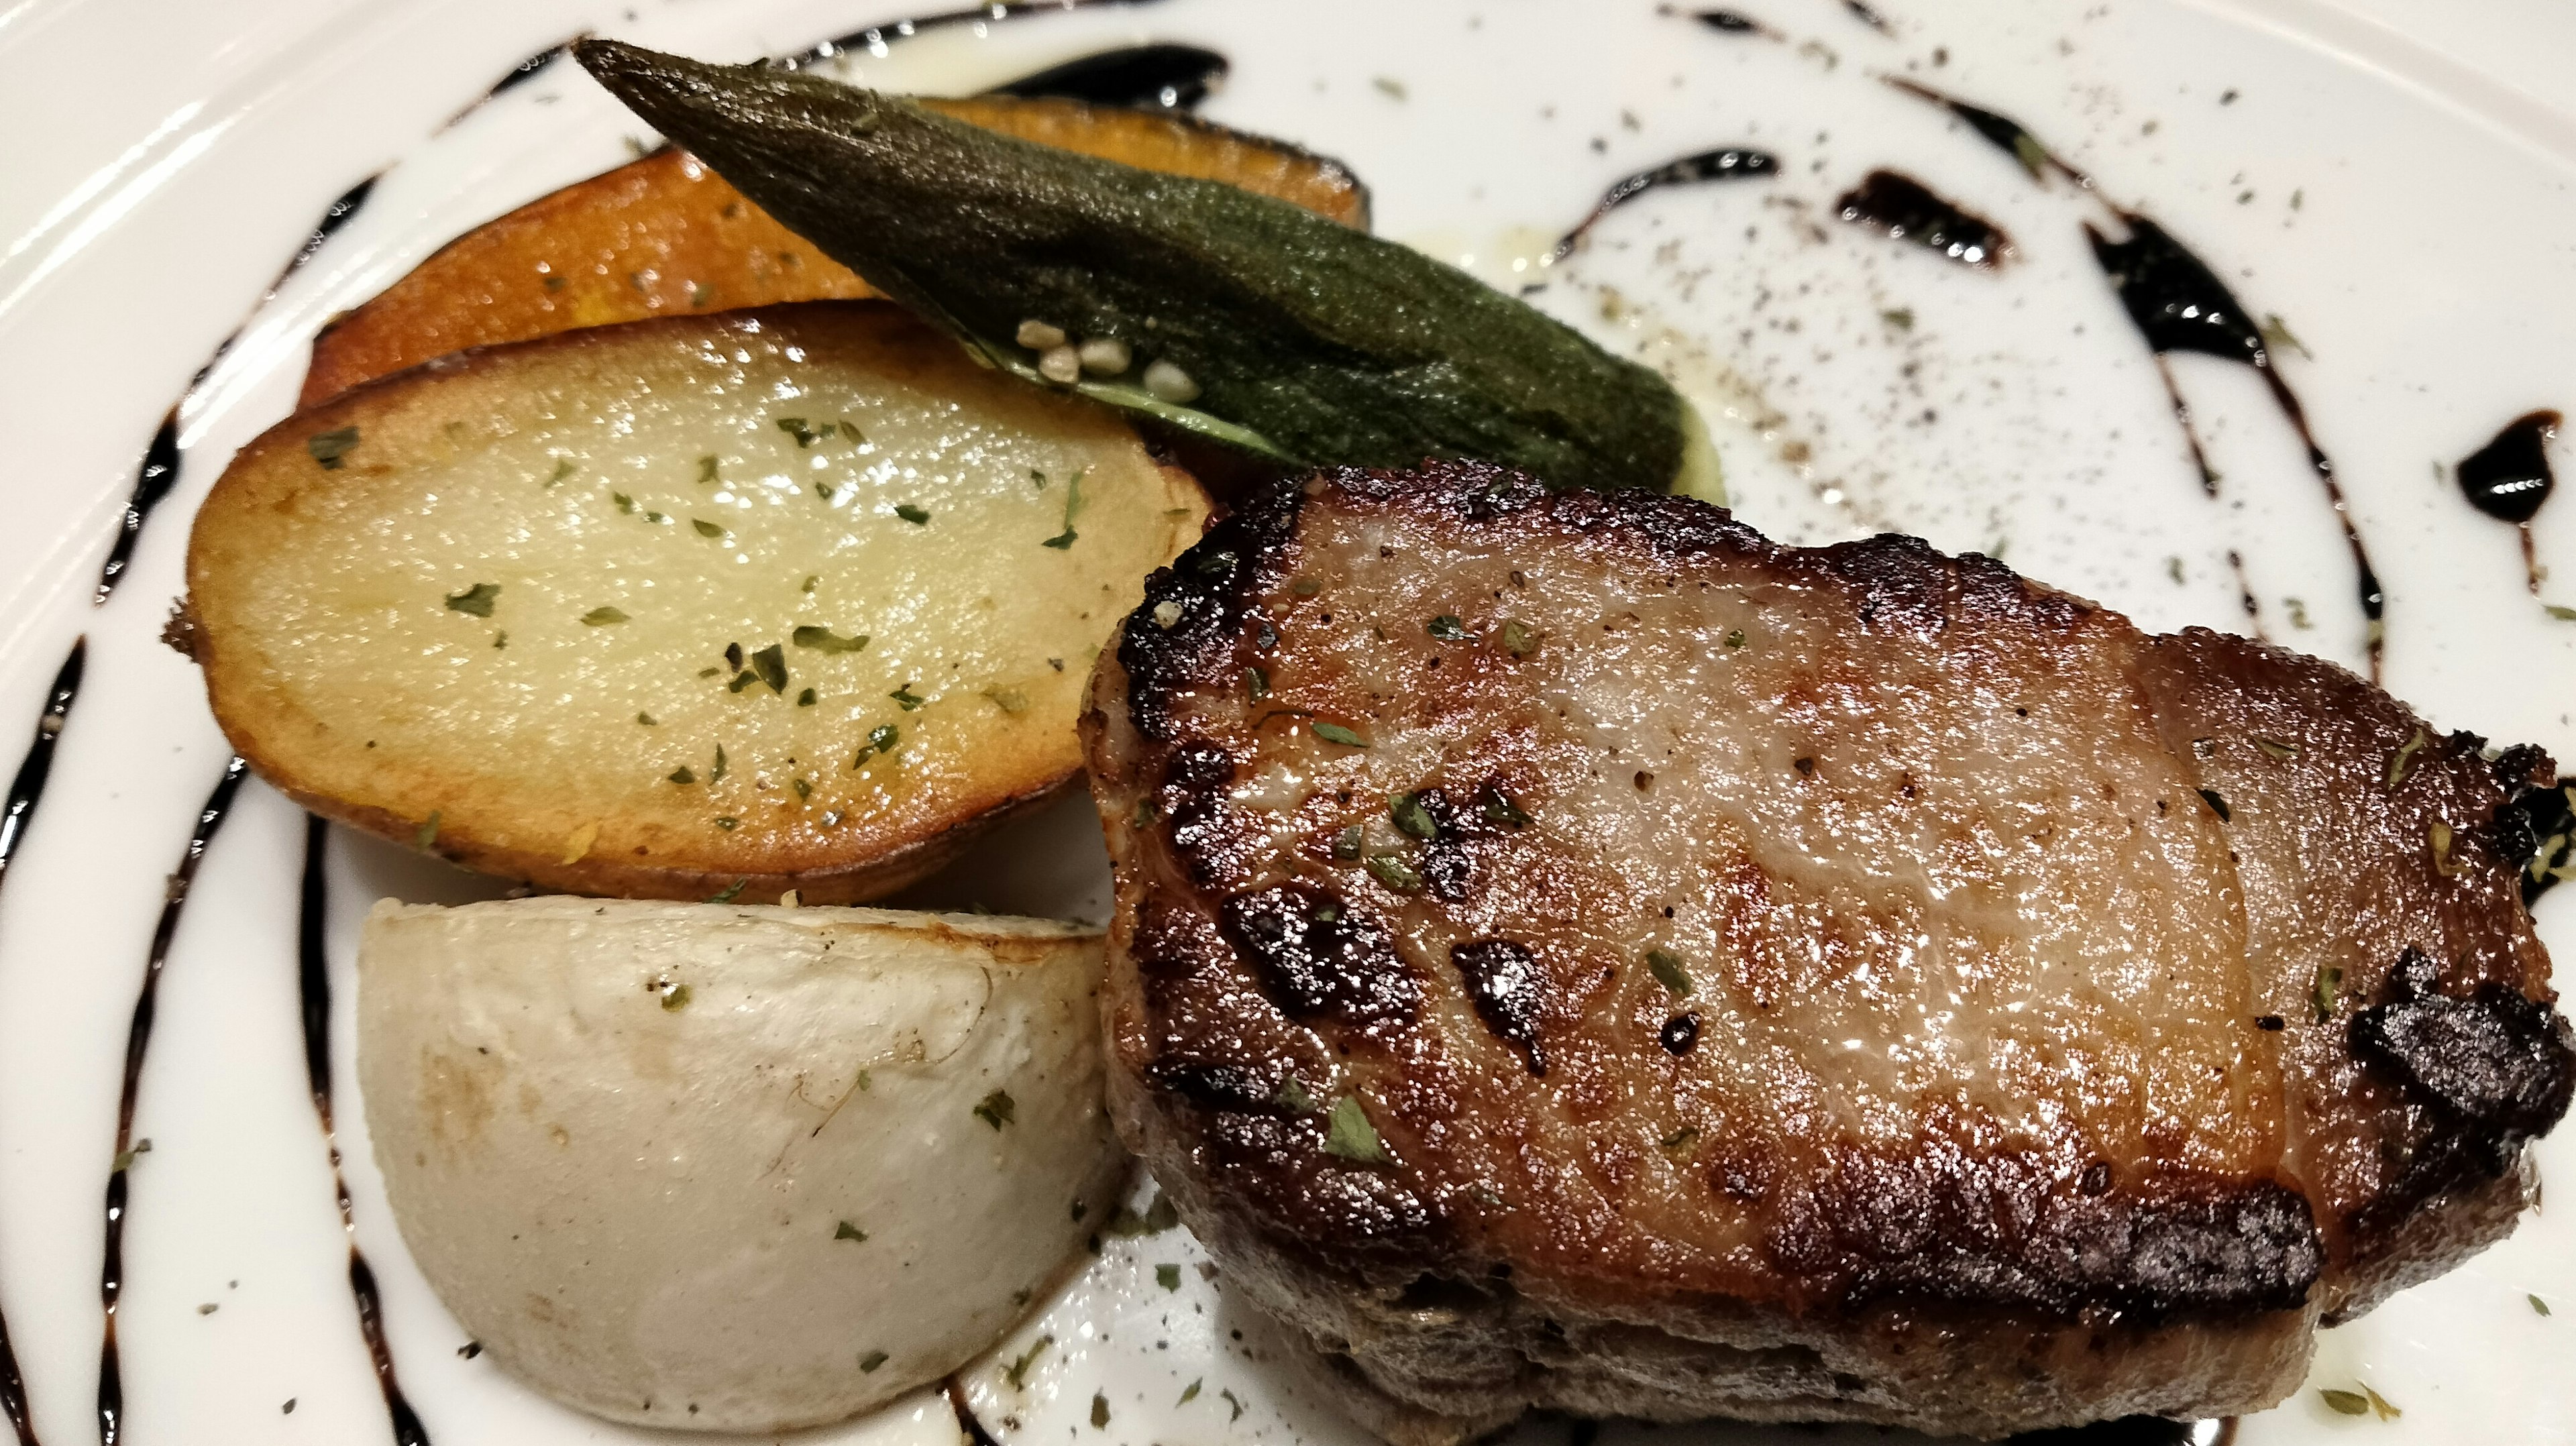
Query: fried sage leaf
{"points": [[1300, 339]]}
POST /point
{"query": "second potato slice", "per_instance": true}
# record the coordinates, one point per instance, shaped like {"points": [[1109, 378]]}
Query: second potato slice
{"points": [[782, 599]]}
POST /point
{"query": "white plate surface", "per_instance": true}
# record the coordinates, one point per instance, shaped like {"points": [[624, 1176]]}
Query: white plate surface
{"points": [[2402, 201]]}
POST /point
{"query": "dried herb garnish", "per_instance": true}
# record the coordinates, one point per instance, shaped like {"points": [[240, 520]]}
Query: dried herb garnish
{"points": [[2538, 1306], [847, 1231], [1072, 504], [563, 469], [1189, 1393], [330, 448], [1392, 871], [1099, 1411], [599, 617], [997, 1109], [2347, 1403], [2403, 759], [914, 515], [1347, 843], [706, 528], [1336, 733], [1230, 1400], [1667, 968], [906, 699], [1009, 700], [824, 640], [1017, 1372], [706, 470], [1446, 627], [425, 837], [1680, 1141], [1349, 1134], [1146, 812], [624, 503], [1293, 1096], [740, 681], [805, 699], [730, 892], [648, 720], [675, 997], [804, 435], [727, 822], [1499, 809], [476, 601], [811, 578], [1168, 1276], [2439, 834], [2276, 748], [2327, 992], [2217, 805], [733, 656], [1412, 818], [1256, 684], [683, 774], [718, 775], [1735, 637], [1518, 639], [882, 738], [771, 664], [871, 1361]]}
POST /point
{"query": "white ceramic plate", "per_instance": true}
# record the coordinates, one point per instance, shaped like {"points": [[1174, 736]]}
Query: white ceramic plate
{"points": [[2405, 213]]}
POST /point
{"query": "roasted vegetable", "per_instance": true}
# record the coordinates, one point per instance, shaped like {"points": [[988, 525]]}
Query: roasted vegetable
{"points": [[797, 598], [664, 236], [1232, 315]]}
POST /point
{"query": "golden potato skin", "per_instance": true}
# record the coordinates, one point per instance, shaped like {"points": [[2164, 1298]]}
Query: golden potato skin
{"points": [[666, 236], [315, 596]]}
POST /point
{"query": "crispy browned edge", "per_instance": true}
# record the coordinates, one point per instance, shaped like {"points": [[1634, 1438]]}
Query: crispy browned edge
{"points": [[655, 235], [1348, 1296], [750, 876]]}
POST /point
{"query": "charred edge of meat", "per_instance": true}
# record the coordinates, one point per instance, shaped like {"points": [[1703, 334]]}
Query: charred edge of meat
{"points": [[1316, 953], [1192, 614], [1895, 1230], [1219, 1085], [2535, 828], [1195, 779], [2490, 1071]]}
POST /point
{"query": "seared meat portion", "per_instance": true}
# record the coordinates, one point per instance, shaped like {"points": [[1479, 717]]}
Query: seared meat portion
{"points": [[1575, 953]]}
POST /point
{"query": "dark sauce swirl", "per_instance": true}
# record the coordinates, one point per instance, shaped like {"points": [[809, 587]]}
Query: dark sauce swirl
{"points": [[1904, 209], [1731, 163], [2509, 479], [1141, 77]]}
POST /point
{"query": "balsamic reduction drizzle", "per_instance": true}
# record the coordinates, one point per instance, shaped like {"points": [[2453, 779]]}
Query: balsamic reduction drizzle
{"points": [[1729, 164], [2244, 585], [1907, 210], [313, 981], [876, 38], [2000, 131], [1733, 22], [516, 76], [27, 790], [2509, 478], [158, 473], [2179, 304], [1142, 77], [138, 1039], [1869, 17]]}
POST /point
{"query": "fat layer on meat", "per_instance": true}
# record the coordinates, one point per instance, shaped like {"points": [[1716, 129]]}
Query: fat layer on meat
{"points": [[1573, 953]]}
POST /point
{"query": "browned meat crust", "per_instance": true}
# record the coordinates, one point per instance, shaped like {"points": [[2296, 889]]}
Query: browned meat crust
{"points": [[1574, 953]]}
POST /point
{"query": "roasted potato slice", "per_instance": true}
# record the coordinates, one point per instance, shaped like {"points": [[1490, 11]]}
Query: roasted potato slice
{"points": [[873, 1138], [666, 236], [796, 598]]}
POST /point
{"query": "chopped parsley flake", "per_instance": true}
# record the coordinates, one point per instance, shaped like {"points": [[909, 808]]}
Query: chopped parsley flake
{"points": [[624, 503], [2346, 1403], [847, 1231], [1009, 700], [731, 891], [1336, 733], [997, 1109], [2399, 762], [805, 699], [1099, 1411], [1498, 808], [1392, 871], [706, 528], [881, 738], [824, 640], [1349, 1134], [718, 775], [811, 578], [1230, 1400], [2328, 991], [1168, 1276], [871, 1361], [682, 774], [329, 448], [1294, 1096], [563, 469], [1072, 504], [771, 664], [907, 699], [1256, 684], [1735, 637], [475, 601], [1667, 968], [805, 436], [728, 823], [1519, 639], [1410, 816], [1189, 1393], [1446, 627], [647, 720], [675, 997], [914, 515], [707, 469], [426, 836], [1347, 844], [1017, 1372], [601, 617], [2538, 1306]]}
